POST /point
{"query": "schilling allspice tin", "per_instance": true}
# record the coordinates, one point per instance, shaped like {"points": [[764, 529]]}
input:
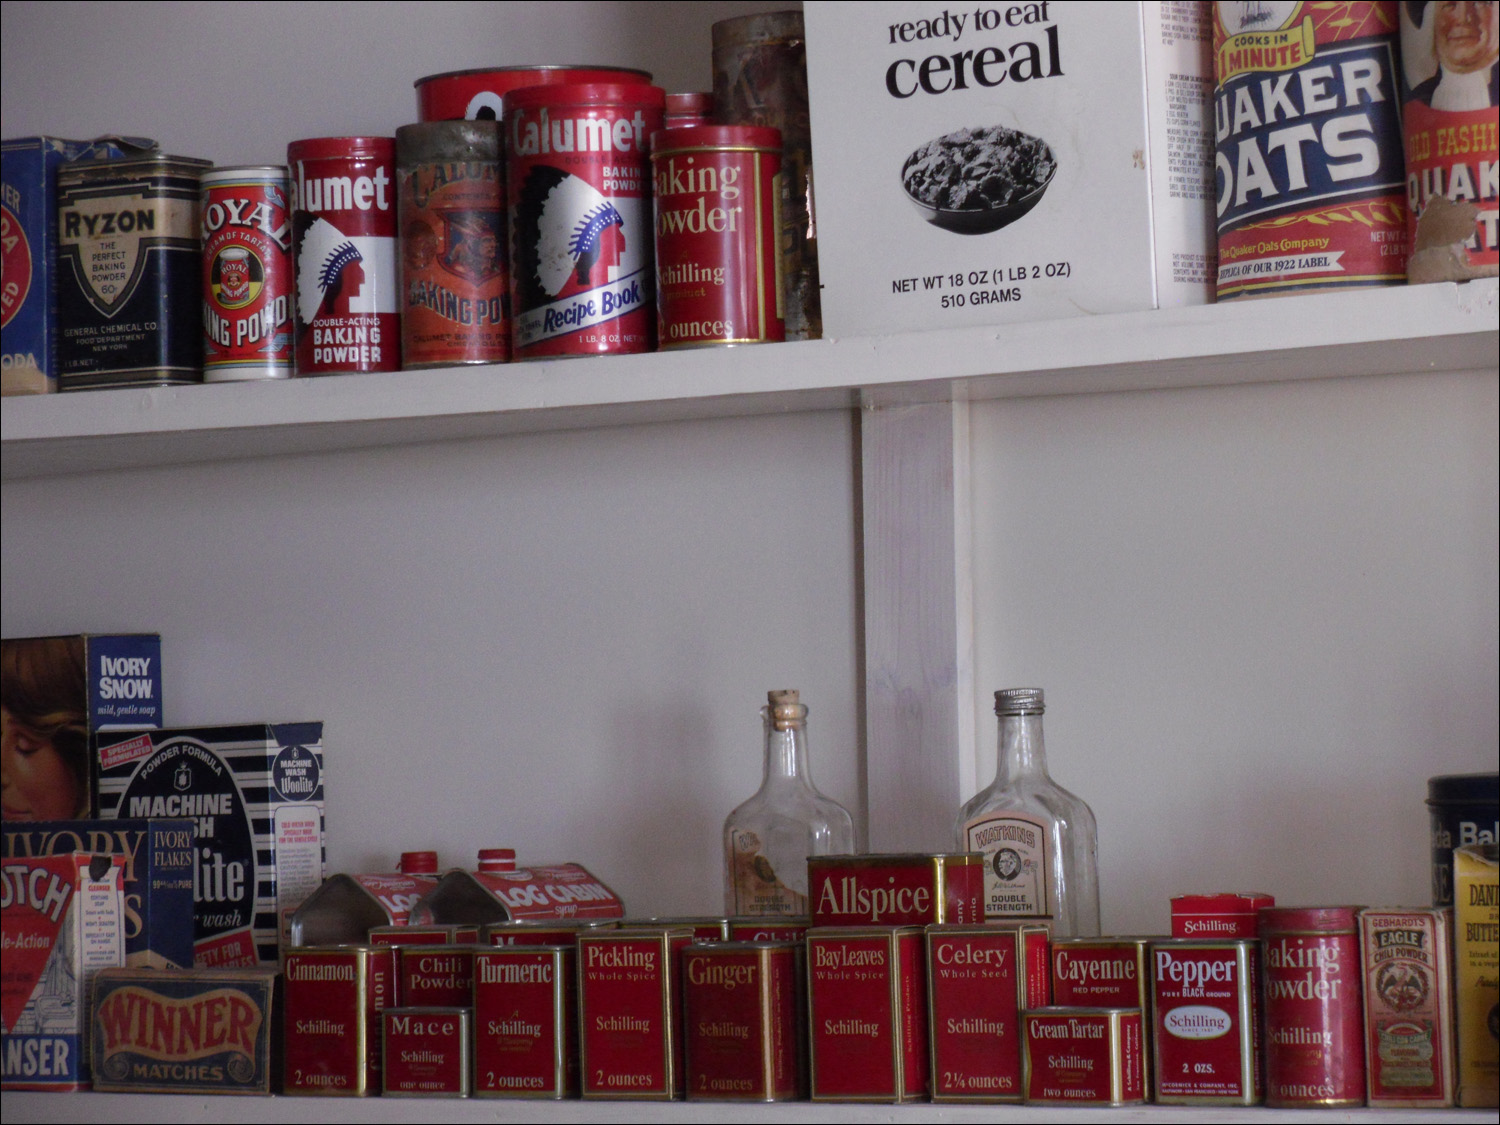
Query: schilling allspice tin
{"points": [[247, 274], [717, 203]]}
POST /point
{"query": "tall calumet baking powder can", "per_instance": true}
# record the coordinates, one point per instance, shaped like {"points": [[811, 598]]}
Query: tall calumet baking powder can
{"points": [[247, 274], [455, 295], [578, 190], [344, 254], [1310, 174]]}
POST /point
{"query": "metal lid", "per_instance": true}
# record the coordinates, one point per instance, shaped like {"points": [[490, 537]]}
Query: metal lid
{"points": [[1019, 701], [547, 72], [1464, 788], [428, 142], [320, 148], [760, 27]]}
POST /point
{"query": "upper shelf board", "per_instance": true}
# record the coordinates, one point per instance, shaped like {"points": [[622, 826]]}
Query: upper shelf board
{"points": [[1373, 331]]}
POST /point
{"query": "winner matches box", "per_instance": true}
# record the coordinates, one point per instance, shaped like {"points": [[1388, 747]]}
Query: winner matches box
{"points": [[983, 163]]}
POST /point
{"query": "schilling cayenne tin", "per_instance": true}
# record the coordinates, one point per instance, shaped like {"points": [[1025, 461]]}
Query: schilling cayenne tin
{"points": [[247, 274], [578, 195]]}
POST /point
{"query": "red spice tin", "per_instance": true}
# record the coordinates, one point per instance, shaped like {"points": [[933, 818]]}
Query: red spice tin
{"points": [[1084, 1056], [766, 928], [436, 976], [979, 981], [716, 202], [1101, 972], [742, 1021], [426, 1052], [525, 1037], [896, 890], [1205, 1016], [578, 197], [1314, 1028], [1229, 914], [630, 1013], [344, 251], [334, 997], [867, 1014], [477, 94], [247, 274], [691, 108]]}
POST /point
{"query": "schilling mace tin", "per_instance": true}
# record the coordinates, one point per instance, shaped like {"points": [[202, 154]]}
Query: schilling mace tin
{"points": [[247, 274], [344, 249], [578, 194], [717, 205]]}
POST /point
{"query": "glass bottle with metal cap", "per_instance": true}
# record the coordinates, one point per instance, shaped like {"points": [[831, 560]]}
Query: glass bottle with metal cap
{"points": [[768, 838], [1040, 842]]}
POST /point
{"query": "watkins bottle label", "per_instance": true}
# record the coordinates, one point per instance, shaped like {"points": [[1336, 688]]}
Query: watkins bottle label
{"points": [[1015, 851], [758, 888]]}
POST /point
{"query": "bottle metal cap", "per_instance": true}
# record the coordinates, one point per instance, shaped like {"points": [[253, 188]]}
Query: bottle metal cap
{"points": [[1019, 701]]}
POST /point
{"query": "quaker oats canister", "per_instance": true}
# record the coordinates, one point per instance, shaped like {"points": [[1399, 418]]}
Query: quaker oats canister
{"points": [[247, 274], [578, 197], [344, 252], [455, 296], [1309, 170]]}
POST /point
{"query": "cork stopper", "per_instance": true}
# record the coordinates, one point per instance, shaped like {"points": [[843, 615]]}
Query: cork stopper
{"points": [[787, 712]]}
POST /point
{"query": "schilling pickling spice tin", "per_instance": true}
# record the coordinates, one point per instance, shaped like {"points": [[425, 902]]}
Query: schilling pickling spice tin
{"points": [[247, 274], [578, 194]]}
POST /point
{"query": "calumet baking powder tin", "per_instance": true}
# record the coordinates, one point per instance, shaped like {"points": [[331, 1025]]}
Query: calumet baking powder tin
{"points": [[477, 95]]}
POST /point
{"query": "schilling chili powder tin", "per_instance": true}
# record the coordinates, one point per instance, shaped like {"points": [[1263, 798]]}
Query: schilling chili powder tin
{"points": [[717, 205], [1314, 1025], [578, 196], [344, 251], [455, 295], [247, 274]]}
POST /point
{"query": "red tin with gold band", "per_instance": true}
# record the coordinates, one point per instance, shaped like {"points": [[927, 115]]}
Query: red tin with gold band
{"points": [[333, 999], [477, 95], [717, 205], [578, 183], [1311, 179], [344, 252], [247, 274]]}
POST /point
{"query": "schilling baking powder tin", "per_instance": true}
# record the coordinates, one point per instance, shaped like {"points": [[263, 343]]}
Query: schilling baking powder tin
{"points": [[247, 274], [578, 195], [476, 95], [717, 205], [344, 250]]}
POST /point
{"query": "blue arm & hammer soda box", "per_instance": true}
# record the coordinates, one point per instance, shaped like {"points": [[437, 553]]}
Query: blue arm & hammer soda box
{"points": [[254, 793], [55, 692]]}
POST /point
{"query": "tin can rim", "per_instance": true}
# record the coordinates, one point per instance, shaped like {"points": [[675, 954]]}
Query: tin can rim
{"points": [[315, 148], [643, 76], [586, 93], [1464, 788], [715, 136]]}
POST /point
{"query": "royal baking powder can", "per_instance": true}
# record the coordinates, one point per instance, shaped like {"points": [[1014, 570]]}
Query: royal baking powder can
{"points": [[717, 206], [1309, 171], [247, 274], [455, 296], [344, 252], [578, 183]]}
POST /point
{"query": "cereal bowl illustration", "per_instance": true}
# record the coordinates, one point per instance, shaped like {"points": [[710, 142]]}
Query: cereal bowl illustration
{"points": [[977, 180]]}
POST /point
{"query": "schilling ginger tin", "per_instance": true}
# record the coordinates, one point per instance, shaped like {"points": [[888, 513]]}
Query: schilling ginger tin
{"points": [[743, 1031]]}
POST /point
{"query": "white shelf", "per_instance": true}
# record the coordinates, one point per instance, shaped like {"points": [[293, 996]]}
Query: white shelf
{"points": [[1405, 329]]}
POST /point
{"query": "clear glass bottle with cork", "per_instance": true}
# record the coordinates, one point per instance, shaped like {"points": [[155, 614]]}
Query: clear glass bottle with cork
{"points": [[1040, 842], [768, 838]]}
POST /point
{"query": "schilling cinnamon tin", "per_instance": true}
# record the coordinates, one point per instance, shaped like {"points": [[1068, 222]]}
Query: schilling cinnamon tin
{"points": [[578, 196], [525, 1030], [1406, 959], [1314, 1029], [455, 295], [1084, 1056], [344, 252], [867, 1014], [896, 889], [1204, 1015], [718, 264], [742, 1021], [477, 95], [630, 1013], [979, 981], [247, 274], [333, 997]]}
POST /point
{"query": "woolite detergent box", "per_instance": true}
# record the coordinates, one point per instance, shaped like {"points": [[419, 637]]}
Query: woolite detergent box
{"points": [[255, 796], [993, 163]]}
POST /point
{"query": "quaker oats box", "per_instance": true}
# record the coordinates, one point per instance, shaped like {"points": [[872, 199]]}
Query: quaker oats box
{"points": [[255, 794], [1012, 162], [55, 692]]}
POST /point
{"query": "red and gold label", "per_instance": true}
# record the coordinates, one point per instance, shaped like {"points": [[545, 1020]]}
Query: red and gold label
{"points": [[896, 890], [630, 1013], [525, 1037], [1205, 1010], [247, 274], [741, 1019], [1408, 1007], [1084, 1056], [333, 999], [426, 1052]]}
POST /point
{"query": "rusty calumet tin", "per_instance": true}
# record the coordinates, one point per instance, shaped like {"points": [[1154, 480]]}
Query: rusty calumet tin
{"points": [[980, 978], [455, 295], [426, 1052], [896, 889], [578, 198], [525, 1030], [1406, 960], [129, 260], [718, 263], [1084, 1056], [247, 274], [867, 1014], [1205, 1017], [1314, 1025], [344, 251], [742, 1021], [477, 95], [333, 997], [630, 1013]]}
